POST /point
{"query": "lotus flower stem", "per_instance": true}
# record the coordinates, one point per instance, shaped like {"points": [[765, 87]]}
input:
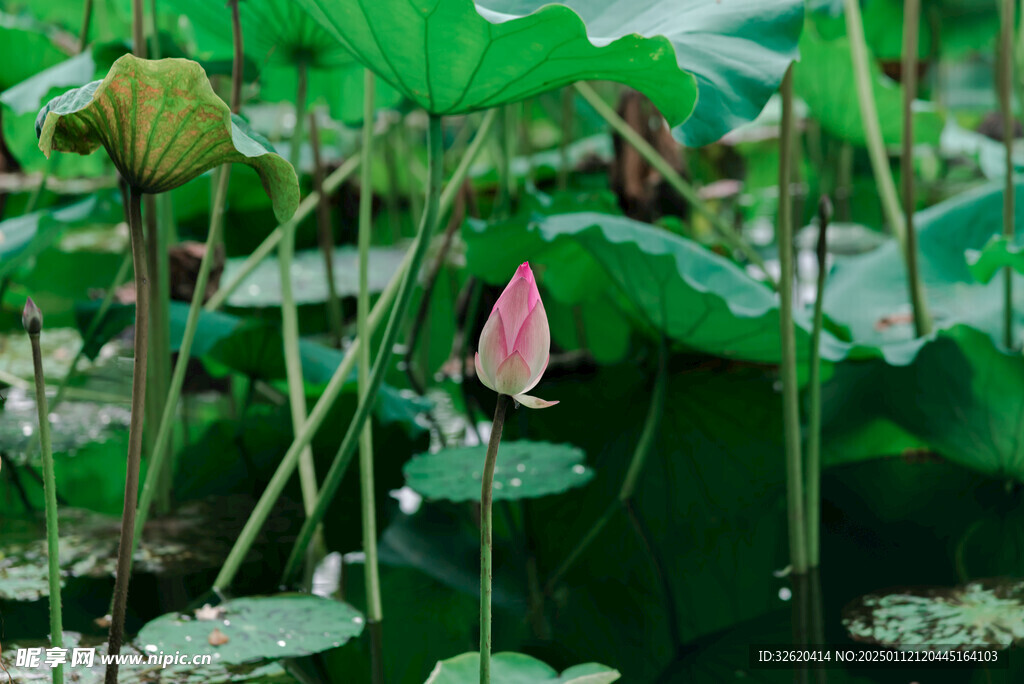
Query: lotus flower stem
{"points": [[790, 388], [567, 120], [879, 158], [911, 14], [238, 60], [726, 232], [486, 542], [131, 488], [374, 608], [94, 325], [170, 405], [1005, 88], [325, 238], [640, 452], [813, 486], [83, 35], [33, 321], [284, 470], [159, 379], [138, 30], [298, 133], [428, 222]]}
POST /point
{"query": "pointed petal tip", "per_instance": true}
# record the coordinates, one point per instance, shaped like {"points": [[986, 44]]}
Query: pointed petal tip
{"points": [[533, 402]]}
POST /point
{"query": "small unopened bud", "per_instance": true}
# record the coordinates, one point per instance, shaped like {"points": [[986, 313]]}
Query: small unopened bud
{"points": [[32, 318]]}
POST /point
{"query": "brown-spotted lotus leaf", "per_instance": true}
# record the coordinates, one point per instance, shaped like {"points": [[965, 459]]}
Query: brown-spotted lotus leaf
{"points": [[162, 125]]}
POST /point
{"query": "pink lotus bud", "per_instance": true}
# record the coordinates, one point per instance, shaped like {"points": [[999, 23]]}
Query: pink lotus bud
{"points": [[516, 342], [32, 318]]}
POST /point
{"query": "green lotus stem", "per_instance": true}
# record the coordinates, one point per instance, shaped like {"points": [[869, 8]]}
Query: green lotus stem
{"points": [[238, 60], [636, 465], [486, 541], [301, 72], [510, 118], [1005, 88], [50, 492], [83, 35], [157, 246], [374, 608], [270, 243], [131, 488], [284, 471], [911, 15], [161, 445], [813, 485], [671, 176], [293, 363], [568, 112], [138, 30], [790, 388], [435, 156], [335, 322], [94, 325]]}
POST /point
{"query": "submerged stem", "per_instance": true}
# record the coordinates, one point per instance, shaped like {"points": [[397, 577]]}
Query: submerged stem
{"points": [[435, 152], [374, 608], [131, 487], [486, 542], [1005, 87], [790, 398], [50, 493], [813, 474]]}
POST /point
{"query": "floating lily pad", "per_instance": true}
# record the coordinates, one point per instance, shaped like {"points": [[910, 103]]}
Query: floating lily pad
{"points": [[983, 614], [73, 425], [257, 628], [179, 129], [262, 287], [505, 54], [516, 668], [525, 470], [197, 535]]}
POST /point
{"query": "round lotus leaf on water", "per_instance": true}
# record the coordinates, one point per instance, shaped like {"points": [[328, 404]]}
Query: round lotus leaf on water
{"points": [[162, 125], [516, 668], [257, 628], [525, 470], [984, 613]]}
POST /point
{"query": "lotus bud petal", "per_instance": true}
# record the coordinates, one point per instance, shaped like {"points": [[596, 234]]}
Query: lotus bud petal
{"points": [[32, 318], [516, 341]]}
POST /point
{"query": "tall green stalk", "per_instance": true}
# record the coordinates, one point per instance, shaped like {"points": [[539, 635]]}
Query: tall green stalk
{"points": [[813, 485], [131, 487], [790, 388], [161, 445], [33, 322], [725, 232], [298, 133], [435, 152], [325, 236], [374, 608], [83, 35], [636, 464], [486, 540], [1005, 87], [876, 151]]}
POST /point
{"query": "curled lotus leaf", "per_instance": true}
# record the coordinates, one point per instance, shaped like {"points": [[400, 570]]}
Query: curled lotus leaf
{"points": [[162, 125]]}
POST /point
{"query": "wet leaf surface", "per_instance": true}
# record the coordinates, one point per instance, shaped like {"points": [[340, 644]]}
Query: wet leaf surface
{"points": [[525, 470], [257, 628], [516, 668]]}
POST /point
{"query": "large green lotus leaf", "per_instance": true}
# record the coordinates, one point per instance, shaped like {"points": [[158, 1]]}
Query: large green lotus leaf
{"points": [[162, 125], [737, 50], [258, 628], [517, 668], [824, 79], [868, 293], [525, 470], [452, 57], [25, 48]]}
